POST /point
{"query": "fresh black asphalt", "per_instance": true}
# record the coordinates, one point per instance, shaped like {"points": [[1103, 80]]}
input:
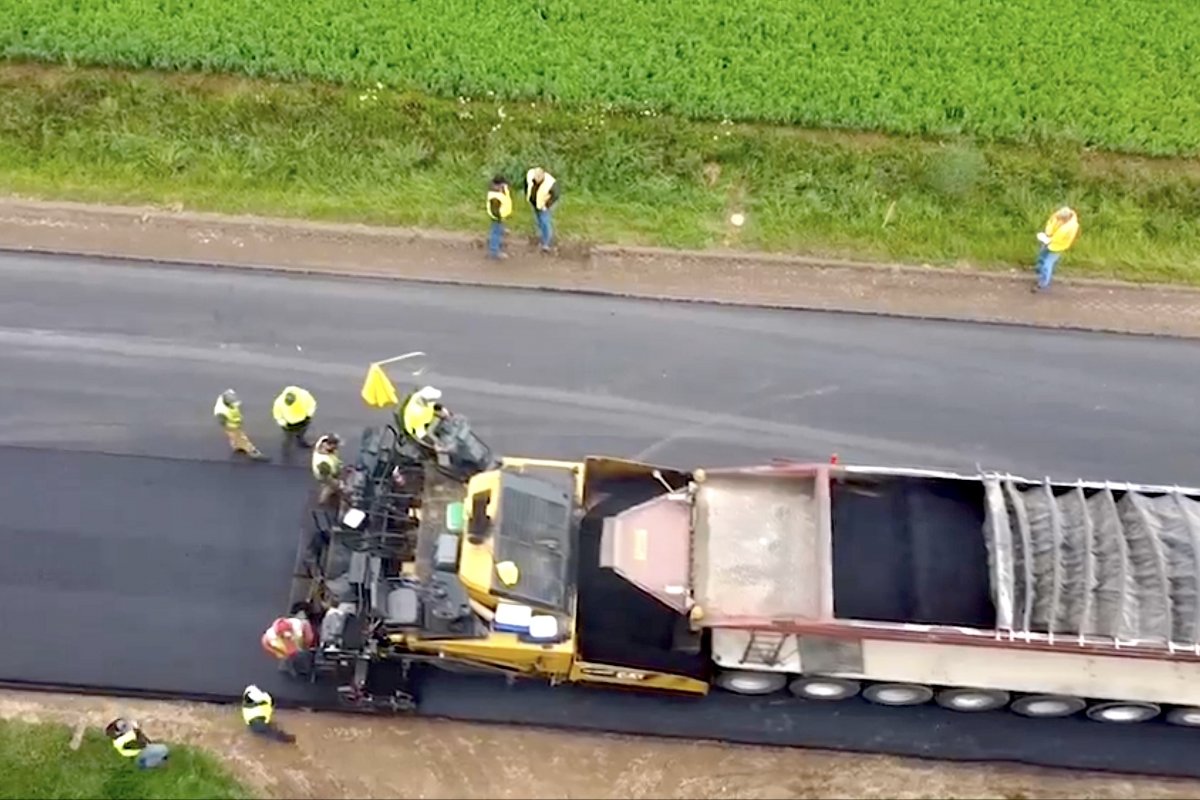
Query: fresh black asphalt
{"points": [[138, 556]]}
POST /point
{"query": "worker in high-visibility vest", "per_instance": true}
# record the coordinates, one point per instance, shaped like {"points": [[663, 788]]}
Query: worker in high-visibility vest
{"points": [[258, 712], [327, 466], [228, 411], [130, 742], [421, 413], [293, 411], [288, 636], [291, 639], [499, 208], [541, 190], [1059, 234]]}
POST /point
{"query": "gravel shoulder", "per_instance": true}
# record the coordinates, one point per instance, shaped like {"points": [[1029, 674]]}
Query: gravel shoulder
{"points": [[717, 276], [343, 756]]}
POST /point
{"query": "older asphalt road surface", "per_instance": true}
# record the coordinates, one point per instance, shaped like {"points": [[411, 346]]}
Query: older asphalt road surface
{"points": [[137, 555]]}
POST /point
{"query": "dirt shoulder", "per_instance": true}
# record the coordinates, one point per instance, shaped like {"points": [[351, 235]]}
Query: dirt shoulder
{"points": [[724, 277], [340, 756]]}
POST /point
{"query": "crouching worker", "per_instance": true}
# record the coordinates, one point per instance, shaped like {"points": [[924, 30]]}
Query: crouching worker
{"points": [[291, 640], [258, 710], [327, 467], [130, 742], [421, 413]]}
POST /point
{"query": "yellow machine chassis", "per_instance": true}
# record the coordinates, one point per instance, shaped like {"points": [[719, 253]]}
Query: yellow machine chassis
{"points": [[503, 651]]}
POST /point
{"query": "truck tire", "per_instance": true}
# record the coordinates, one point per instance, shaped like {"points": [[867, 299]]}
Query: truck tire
{"points": [[898, 694], [750, 682], [1047, 706], [825, 689], [1188, 716], [972, 700], [1124, 713]]}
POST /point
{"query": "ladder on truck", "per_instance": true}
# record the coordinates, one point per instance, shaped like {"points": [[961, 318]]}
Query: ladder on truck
{"points": [[764, 647]]}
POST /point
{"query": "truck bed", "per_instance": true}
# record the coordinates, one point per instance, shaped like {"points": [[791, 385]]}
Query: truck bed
{"points": [[780, 545], [1115, 561], [798, 544], [757, 545], [909, 549]]}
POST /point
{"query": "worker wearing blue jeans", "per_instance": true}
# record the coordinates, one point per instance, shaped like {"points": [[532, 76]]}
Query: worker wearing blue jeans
{"points": [[1057, 236], [130, 742], [499, 207], [541, 190]]}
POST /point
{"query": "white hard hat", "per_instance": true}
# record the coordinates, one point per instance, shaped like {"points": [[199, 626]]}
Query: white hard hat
{"points": [[255, 694], [429, 393]]}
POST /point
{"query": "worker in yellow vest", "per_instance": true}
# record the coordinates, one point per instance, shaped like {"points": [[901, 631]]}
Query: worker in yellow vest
{"points": [[228, 411], [541, 190], [258, 712], [327, 466], [499, 207], [1060, 233], [130, 742], [293, 411], [421, 412]]}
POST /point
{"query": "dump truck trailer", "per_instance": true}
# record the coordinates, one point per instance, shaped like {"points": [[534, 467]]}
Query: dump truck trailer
{"points": [[820, 581]]}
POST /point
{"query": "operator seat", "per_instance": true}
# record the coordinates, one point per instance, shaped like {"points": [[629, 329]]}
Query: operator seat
{"points": [[403, 607], [393, 600]]}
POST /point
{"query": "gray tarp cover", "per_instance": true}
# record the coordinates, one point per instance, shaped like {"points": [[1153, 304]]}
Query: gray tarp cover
{"points": [[1112, 562]]}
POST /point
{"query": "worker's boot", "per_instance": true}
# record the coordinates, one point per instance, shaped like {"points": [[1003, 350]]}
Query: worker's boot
{"points": [[252, 454], [300, 438]]}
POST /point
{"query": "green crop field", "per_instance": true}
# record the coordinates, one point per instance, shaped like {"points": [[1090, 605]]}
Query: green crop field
{"points": [[1118, 74]]}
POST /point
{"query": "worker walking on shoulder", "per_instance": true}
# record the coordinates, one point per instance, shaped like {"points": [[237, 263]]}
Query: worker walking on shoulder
{"points": [[499, 206], [293, 410], [541, 190], [130, 742], [327, 466], [1060, 233], [258, 712], [228, 411]]}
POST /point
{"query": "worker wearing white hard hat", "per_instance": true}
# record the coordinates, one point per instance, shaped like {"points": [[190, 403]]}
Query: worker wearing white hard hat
{"points": [[421, 411], [258, 711], [228, 412]]}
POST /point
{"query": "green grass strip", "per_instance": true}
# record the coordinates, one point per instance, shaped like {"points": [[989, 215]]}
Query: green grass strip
{"points": [[380, 156], [36, 761]]}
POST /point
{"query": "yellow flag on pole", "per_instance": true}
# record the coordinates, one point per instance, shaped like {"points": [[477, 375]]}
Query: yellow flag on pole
{"points": [[377, 390]]}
